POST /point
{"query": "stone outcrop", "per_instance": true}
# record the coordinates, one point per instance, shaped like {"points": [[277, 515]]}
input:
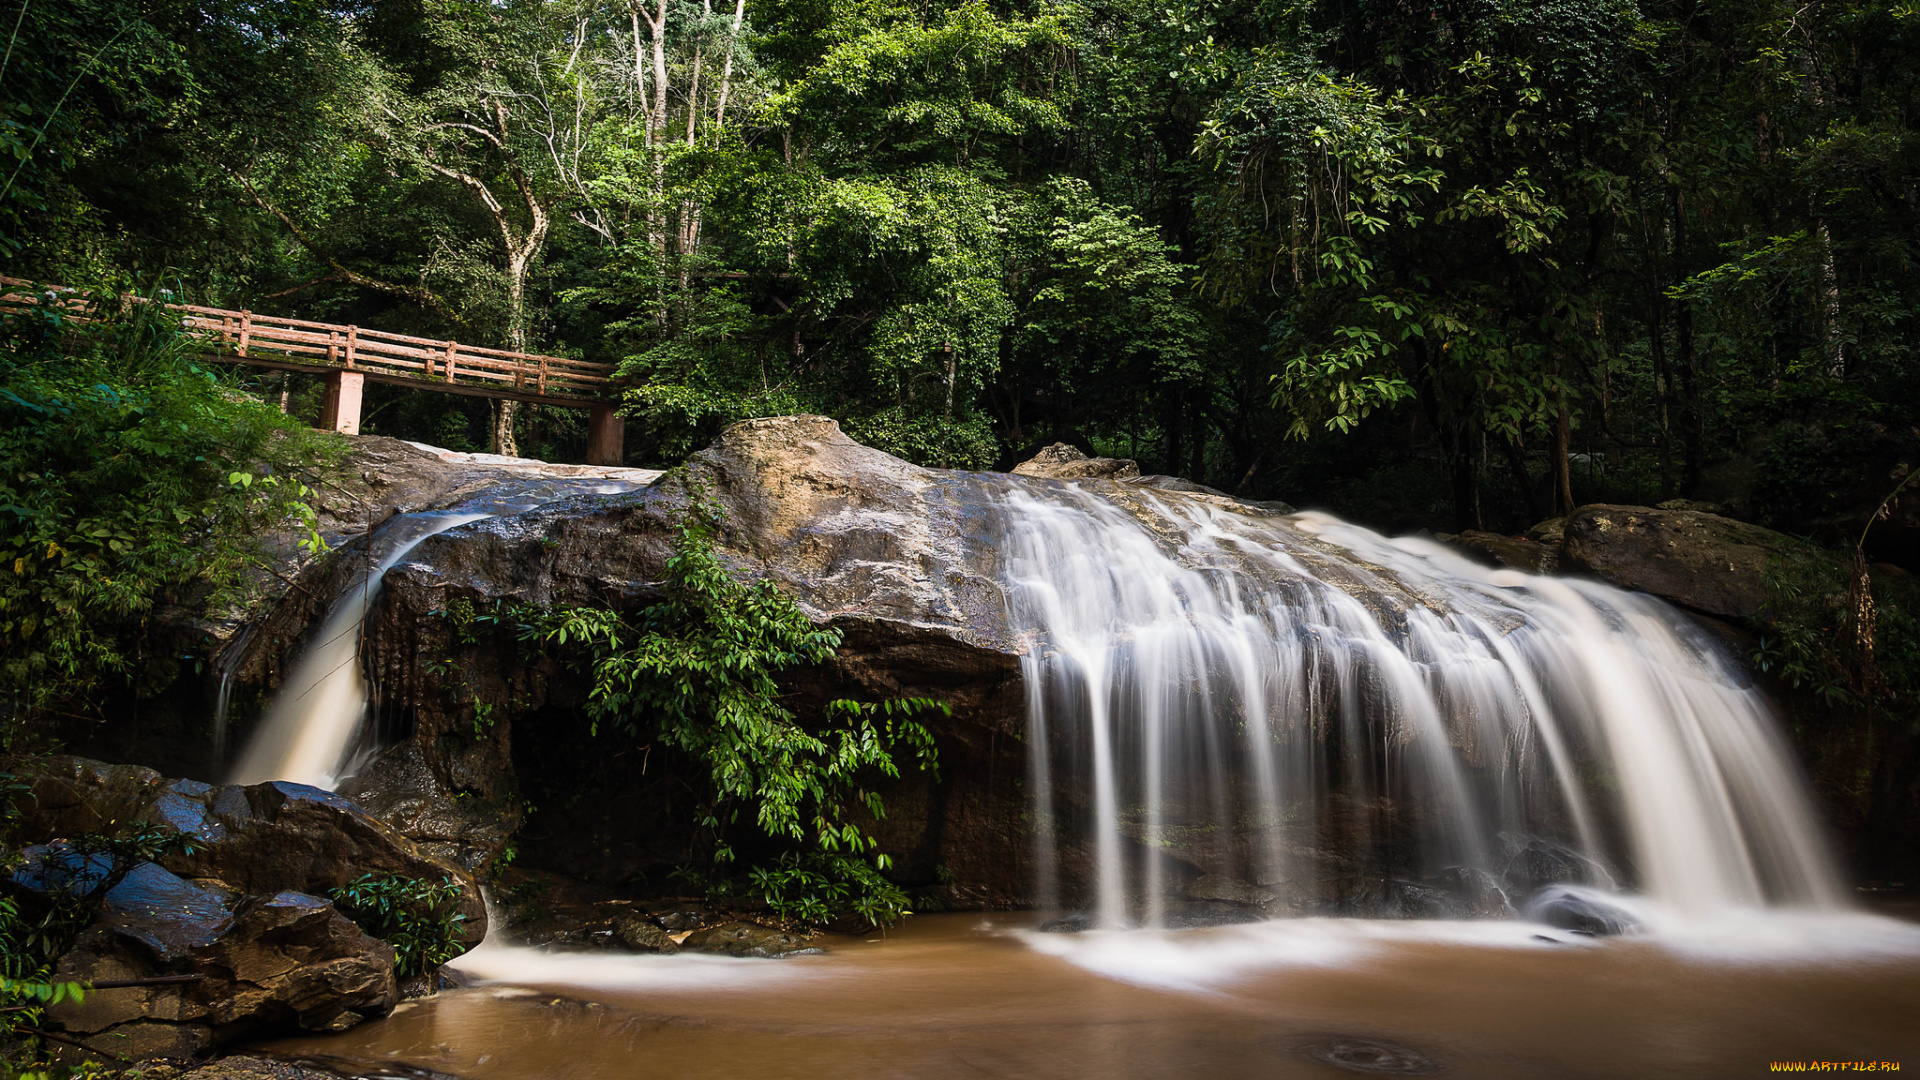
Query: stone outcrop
{"points": [[1063, 462], [247, 967], [1517, 552], [1711, 564], [256, 839], [896, 557], [230, 940]]}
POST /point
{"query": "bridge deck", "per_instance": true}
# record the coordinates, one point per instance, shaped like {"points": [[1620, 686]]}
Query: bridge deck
{"points": [[242, 337], [348, 356]]}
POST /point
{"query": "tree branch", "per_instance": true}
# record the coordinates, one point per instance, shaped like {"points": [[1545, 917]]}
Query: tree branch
{"points": [[421, 295]]}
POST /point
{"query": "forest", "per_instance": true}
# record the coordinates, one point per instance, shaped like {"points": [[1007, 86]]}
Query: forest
{"points": [[1606, 310], [1449, 264]]}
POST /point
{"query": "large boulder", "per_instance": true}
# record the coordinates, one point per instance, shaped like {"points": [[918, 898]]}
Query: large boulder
{"points": [[258, 839], [1517, 552], [232, 939], [200, 967], [896, 557], [1712, 564]]}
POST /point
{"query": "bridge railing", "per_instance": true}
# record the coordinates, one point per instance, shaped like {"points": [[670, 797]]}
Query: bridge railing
{"points": [[245, 335]]}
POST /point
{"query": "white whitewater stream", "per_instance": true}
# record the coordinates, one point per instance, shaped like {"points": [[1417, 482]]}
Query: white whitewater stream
{"points": [[1299, 707], [316, 731], [1224, 689], [309, 733]]}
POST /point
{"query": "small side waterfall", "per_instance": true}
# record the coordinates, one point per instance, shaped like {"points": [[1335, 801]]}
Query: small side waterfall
{"points": [[1303, 704], [311, 732], [308, 733]]}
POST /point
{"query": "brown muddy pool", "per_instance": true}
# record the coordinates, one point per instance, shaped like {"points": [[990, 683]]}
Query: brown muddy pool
{"points": [[973, 996]]}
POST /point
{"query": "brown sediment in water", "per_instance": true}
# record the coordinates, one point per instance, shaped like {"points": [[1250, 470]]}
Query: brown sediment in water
{"points": [[957, 996]]}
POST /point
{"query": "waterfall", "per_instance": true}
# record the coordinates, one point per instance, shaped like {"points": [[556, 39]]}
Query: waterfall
{"points": [[315, 730], [309, 732], [1309, 710]]}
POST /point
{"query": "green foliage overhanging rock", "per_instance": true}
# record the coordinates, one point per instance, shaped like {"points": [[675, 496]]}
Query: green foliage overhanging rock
{"points": [[696, 672], [131, 477]]}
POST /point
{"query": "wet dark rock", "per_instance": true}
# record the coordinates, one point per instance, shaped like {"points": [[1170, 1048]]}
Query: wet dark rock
{"points": [[239, 925], [258, 839], [749, 940], [1476, 893], [1699, 560], [641, 934], [1579, 912], [1552, 532], [1176, 483], [1411, 900], [1063, 462], [257, 965], [1223, 889], [1195, 914], [1074, 922], [1534, 863], [401, 789], [1188, 487], [1516, 552], [675, 920]]}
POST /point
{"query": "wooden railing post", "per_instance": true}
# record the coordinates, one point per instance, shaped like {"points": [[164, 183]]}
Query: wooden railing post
{"points": [[353, 341], [246, 330], [450, 348], [543, 374], [333, 346]]}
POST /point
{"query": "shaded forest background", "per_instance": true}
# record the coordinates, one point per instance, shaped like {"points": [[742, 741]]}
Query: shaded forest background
{"points": [[1447, 264]]}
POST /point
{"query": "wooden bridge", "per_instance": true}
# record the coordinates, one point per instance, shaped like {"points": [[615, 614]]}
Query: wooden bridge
{"points": [[347, 357]]}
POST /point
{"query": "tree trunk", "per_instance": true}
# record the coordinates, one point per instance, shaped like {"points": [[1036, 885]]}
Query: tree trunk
{"points": [[726, 66], [1829, 293], [1663, 393]]}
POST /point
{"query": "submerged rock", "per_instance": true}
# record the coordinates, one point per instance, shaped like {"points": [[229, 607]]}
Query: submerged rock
{"points": [[1074, 922], [1476, 893], [1534, 863], [1580, 912], [641, 934], [749, 940]]}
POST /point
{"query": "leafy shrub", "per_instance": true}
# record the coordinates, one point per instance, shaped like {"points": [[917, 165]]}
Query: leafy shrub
{"points": [[416, 917], [696, 672], [129, 474]]}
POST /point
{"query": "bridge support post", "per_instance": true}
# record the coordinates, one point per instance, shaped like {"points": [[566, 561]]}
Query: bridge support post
{"points": [[342, 410], [606, 436]]}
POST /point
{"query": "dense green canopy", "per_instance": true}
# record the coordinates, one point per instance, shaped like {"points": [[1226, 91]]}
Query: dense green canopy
{"points": [[1448, 263]]}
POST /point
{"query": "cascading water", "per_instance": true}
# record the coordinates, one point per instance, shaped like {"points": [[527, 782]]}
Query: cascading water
{"points": [[308, 734], [313, 731], [1300, 703]]}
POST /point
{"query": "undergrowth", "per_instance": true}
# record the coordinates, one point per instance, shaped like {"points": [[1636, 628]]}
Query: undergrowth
{"points": [[416, 917], [697, 673]]}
